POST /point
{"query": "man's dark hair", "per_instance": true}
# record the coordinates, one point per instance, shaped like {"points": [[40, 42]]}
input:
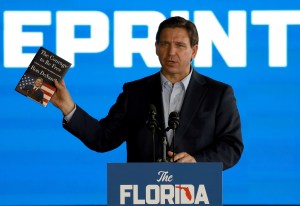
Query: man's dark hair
{"points": [[179, 22]]}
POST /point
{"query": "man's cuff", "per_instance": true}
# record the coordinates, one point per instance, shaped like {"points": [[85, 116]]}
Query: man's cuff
{"points": [[69, 116]]}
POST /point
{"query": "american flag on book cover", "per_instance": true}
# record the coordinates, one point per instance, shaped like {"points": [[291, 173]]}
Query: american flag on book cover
{"points": [[46, 88], [48, 92], [26, 80]]}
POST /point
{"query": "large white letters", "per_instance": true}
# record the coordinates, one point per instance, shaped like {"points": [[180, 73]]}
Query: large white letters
{"points": [[232, 47], [125, 45], [230, 42], [163, 194], [15, 39], [277, 22], [124, 193], [67, 45]]}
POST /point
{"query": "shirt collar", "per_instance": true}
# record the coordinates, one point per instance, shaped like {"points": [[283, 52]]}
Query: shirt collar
{"points": [[185, 81]]}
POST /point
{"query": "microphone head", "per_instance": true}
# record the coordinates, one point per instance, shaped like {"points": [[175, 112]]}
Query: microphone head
{"points": [[152, 109], [173, 120], [152, 122]]}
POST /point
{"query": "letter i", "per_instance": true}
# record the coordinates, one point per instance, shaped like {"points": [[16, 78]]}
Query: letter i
{"points": [[177, 194]]}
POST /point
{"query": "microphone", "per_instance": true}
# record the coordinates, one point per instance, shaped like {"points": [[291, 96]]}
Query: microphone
{"points": [[173, 123], [152, 124]]}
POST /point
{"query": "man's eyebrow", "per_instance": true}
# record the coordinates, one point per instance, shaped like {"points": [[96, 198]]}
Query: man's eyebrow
{"points": [[176, 42]]}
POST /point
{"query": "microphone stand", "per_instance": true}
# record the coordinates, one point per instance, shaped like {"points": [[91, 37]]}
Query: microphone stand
{"points": [[152, 124], [153, 142], [173, 124], [164, 149], [173, 145]]}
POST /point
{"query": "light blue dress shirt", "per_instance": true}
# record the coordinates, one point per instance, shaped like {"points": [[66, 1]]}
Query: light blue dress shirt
{"points": [[173, 96]]}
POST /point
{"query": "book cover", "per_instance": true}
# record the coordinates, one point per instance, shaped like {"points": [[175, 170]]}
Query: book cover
{"points": [[37, 83]]}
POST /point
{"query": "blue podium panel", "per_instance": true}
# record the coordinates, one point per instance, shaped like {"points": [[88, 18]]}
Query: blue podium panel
{"points": [[164, 184]]}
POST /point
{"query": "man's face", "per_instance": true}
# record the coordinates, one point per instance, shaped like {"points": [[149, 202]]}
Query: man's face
{"points": [[38, 83], [175, 52]]}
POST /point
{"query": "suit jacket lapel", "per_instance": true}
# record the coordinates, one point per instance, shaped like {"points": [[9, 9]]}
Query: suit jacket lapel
{"points": [[193, 98], [155, 97]]}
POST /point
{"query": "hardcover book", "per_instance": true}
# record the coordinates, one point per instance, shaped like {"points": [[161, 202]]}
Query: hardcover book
{"points": [[37, 83]]}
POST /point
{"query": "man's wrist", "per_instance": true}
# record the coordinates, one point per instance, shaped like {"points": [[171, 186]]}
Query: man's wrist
{"points": [[68, 109], [69, 116]]}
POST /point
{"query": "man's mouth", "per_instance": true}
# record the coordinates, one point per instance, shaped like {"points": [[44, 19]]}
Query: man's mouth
{"points": [[171, 62]]}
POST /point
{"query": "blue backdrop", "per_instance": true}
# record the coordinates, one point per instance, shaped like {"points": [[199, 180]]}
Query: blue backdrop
{"points": [[255, 48]]}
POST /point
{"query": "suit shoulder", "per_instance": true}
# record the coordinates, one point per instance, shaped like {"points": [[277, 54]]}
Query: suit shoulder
{"points": [[217, 82], [210, 82], [145, 81]]}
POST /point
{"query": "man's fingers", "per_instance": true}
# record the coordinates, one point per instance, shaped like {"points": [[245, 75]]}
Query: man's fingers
{"points": [[170, 153], [60, 85], [57, 84], [63, 82], [176, 156], [181, 157]]}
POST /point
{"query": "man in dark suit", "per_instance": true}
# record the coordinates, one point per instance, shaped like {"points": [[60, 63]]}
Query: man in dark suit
{"points": [[34, 90], [209, 130]]}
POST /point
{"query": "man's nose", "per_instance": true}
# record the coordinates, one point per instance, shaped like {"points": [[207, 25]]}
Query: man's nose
{"points": [[172, 50]]}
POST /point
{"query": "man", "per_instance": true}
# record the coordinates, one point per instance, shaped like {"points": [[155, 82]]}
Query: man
{"points": [[34, 90], [209, 130]]}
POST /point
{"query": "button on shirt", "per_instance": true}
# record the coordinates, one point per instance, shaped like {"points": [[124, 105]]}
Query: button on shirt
{"points": [[173, 96]]}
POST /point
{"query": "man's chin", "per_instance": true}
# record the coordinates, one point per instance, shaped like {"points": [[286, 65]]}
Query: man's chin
{"points": [[171, 68]]}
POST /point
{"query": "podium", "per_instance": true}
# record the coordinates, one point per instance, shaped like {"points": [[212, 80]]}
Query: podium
{"points": [[164, 184]]}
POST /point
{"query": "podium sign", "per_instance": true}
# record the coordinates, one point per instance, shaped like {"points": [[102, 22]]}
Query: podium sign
{"points": [[164, 184]]}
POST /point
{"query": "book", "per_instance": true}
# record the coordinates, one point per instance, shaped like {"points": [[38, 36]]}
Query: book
{"points": [[37, 83]]}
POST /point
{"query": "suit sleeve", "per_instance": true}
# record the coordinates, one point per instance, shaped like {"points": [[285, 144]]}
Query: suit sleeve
{"points": [[227, 146], [104, 135]]}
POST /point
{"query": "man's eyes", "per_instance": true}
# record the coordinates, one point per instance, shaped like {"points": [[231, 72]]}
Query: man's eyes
{"points": [[179, 45], [163, 44]]}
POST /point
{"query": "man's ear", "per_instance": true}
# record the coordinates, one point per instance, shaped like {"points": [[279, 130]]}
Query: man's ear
{"points": [[195, 50], [156, 48]]}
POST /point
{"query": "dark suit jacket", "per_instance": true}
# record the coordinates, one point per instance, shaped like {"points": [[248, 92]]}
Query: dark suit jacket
{"points": [[209, 130], [38, 95]]}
